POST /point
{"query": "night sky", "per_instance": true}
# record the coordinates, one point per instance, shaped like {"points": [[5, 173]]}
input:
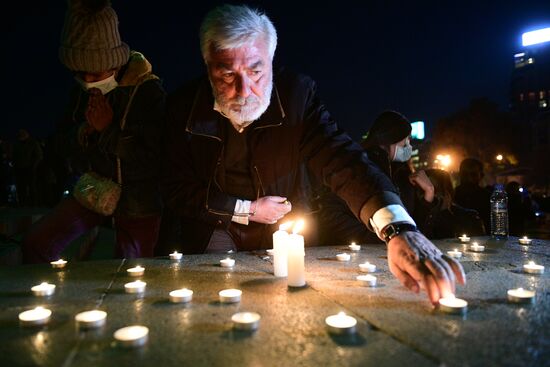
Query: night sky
{"points": [[424, 60]]}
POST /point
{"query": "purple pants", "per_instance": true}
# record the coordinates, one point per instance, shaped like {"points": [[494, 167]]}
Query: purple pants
{"points": [[135, 237]]}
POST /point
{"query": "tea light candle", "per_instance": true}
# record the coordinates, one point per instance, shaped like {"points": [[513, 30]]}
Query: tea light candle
{"points": [[354, 247], [475, 247], [525, 241], [91, 319], [367, 280], [35, 317], [451, 304], [227, 263], [270, 252], [136, 271], [455, 253], [343, 257], [230, 295], [246, 320], [132, 336], [533, 268], [58, 264], [43, 289], [135, 287], [183, 295], [520, 295], [367, 267], [464, 238], [175, 255], [341, 323]]}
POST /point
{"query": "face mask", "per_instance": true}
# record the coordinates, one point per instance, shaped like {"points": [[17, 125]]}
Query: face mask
{"points": [[105, 85], [403, 154]]}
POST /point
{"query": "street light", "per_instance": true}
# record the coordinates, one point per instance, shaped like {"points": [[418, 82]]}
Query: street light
{"points": [[444, 160]]}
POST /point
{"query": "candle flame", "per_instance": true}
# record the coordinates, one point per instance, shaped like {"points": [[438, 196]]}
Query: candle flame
{"points": [[524, 237], [531, 263], [286, 226], [353, 244], [298, 227], [341, 313], [520, 289]]}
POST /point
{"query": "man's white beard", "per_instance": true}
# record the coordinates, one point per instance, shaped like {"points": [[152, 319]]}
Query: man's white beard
{"points": [[243, 111]]}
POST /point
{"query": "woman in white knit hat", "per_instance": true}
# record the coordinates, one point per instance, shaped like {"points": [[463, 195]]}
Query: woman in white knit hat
{"points": [[113, 126]]}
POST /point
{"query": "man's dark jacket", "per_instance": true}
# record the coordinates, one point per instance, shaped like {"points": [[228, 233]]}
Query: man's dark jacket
{"points": [[295, 133]]}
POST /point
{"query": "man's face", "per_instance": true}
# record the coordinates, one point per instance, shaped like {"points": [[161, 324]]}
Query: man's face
{"points": [[241, 79]]}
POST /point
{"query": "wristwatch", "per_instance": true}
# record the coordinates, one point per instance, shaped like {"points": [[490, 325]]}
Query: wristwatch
{"points": [[393, 229]]}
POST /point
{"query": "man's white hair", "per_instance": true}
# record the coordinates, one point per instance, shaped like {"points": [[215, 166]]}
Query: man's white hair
{"points": [[232, 26]]}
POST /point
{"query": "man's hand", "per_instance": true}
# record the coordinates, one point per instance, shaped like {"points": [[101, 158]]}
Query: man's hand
{"points": [[417, 263], [420, 179], [269, 209], [99, 113]]}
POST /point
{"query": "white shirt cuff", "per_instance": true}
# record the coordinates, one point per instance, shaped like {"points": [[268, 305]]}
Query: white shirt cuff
{"points": [[389, 214], [241, 207]]}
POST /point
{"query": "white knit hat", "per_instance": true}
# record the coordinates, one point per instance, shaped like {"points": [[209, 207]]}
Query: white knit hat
{"points": [[90, 40]]}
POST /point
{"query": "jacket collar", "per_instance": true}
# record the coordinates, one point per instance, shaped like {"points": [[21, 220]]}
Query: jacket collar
{"points": [[204, 120]]}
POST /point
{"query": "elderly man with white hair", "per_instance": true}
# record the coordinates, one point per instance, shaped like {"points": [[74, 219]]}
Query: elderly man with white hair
{"points": [[241, 139]]}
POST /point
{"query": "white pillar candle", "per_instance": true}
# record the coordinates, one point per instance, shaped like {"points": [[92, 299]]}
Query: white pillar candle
{"points": [[367, 267], [246, 320], [136, 271], [175, 255], [475, 247], [451, 304], [280, 250], [343, 256], [455, 253], [43, 289], [135, 287], [58, 264], [367, 280], [183, 295], [91, 319], [533, 268], [230, 295], [35, 317], [132, 336], [341, 323], [296, 254], [464, 238], [525, 241], [520, 295], [227, 263], [354, 247]]}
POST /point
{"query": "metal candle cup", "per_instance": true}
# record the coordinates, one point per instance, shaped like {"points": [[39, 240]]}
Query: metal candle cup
{"points": [[58, 264], [35, 317], [455, 254], [183, 295], [520, 295], [464, 238], [230, 295], [91, 319], [367, 267], [354, 247], [341, 323], [227, 263], [135, 287], [367, 280], [43, 289], [475, 247], [525, 241], [132, 336], [451, 304], [343, 257], [136, 271], [533, 268], [175, 255], [246, 320]]}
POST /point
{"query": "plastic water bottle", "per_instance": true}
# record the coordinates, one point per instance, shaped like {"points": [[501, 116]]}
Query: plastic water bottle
{"points": [[499, 213]]}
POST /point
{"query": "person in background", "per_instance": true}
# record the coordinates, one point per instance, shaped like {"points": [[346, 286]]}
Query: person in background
{"points": [[113, 85], [469, 193], [520, 209], [239, 139]]}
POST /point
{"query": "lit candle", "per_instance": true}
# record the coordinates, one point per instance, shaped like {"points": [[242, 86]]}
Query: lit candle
{"points": [[341, 323], [354, 247], [227, 263], [246, 320], [367, 267], [136, 271], [296, 254], [475, 247], [135, 287], [175, 255], [520, 295], [43, 289], [464, 238], [455, 253], [91, 319], [367, 280], [451, 304], [525, 241], [533, 268], [132, 336], [280, 250], [58, 264], [183, 295], [271, 252], [230, 295], [35, 317], [343, 257]]}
